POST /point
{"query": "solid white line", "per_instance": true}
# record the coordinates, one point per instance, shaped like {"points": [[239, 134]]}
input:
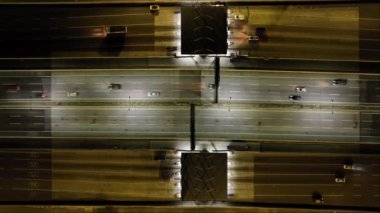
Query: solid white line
{"points": [[319, 174]]}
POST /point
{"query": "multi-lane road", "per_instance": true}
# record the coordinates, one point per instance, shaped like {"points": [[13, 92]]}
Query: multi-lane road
{"points": [[227, 121], [292, 178], [317, 32], [254, 107], [181, 85], [133, 175]]}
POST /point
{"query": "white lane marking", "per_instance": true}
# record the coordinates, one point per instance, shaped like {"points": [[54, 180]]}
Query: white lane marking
{"points": [[14, 123], [35, 83], [293, 195], [334, 94], [60, 83], [234, 91], [38, 116]]}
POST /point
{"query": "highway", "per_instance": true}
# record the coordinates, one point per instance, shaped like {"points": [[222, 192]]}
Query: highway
{"points": [[212, 123], [314, 32], [291, 178], [57, 69], [236, 86], [133, 175]]}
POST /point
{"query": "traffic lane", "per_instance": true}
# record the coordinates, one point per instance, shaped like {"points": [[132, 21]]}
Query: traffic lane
{"points": [[262, 88], [320, 18], [43, 31], [24, 120], [29, 169], [287, 168], [130, 124], [312, 158], [132, 87], [122, 175], [29, 87], [62, 19], [267, 125]]}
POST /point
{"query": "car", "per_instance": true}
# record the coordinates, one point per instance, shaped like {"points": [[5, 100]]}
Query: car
{"points": [[348, 164], [300, 89], [295, 97], [171, 48], [261, 33], [72, 94], [340, 179], [43, 94], [159, 155], [114, 86], [236, 147], [154, 8], [153, 93], [116, 30], [317, 198], [13, 88], [339, 81], [239, 17], [252, 38]]}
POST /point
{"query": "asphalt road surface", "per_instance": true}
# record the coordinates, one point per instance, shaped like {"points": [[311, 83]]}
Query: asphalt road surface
{"points": [[212, 123], [318, 32], [134, 175], [292, 178], [236, 86]]}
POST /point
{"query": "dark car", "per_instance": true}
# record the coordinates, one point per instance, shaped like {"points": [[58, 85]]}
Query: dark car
{"points": [[261, 33], [13, 88], [339, 81], [154, 9], [116, 30], [317, 197], [294, 97], [114, 86]]}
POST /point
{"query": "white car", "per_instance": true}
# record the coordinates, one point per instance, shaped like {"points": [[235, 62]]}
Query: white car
{"points": [[340, 180], [115, 30], [348, 166], [301, 89], [72, 94], [153, 94]]}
